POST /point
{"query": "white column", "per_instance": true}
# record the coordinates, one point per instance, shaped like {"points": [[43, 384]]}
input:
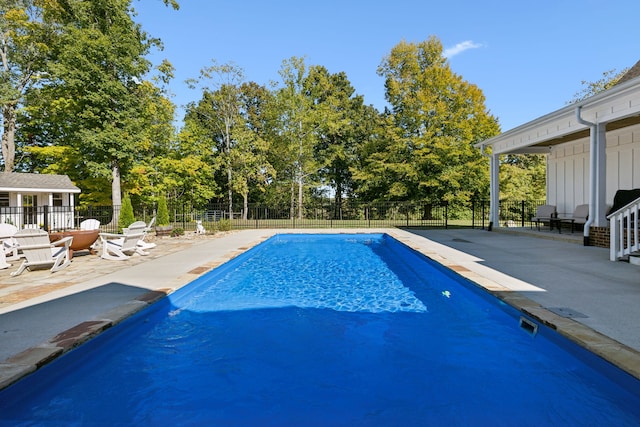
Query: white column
{"points": [[494, 189], [600, 219]]}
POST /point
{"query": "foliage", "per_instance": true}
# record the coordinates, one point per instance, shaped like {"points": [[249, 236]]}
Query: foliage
{"points": [[523, 177], [608, 80], [24, 51], [224, 225], [438, 117], [295, 129], [126, 217], [177, 232], [162, 218]]}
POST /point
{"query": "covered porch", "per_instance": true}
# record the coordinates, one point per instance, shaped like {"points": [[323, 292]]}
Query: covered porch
{"points": [[592, 149]]}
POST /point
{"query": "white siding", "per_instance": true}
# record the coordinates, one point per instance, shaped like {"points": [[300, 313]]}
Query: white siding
{"points": [[568, 168]]}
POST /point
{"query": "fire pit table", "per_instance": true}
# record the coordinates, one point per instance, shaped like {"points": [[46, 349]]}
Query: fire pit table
{"points": [[82, 239]]}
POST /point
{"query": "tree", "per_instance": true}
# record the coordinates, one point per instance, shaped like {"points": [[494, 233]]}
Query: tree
{"points": [[440, 117], [96, 96], [220, 107], [340, 115], [162, 218], [296, 124], [125, 217], [523, 177], [608, 80], [24, 50]]}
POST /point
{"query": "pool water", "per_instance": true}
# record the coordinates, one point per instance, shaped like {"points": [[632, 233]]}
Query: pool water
{"points": [[326, 330]]}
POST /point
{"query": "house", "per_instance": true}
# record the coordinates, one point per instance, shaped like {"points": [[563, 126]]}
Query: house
{"points": [[592, 149], [30, 200]]}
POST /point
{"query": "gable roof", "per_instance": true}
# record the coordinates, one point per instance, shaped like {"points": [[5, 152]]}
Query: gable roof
{"points": [[32, 182], [632, 73]]}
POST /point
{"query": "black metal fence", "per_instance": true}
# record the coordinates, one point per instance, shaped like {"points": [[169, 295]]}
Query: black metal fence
{"points": [[319, 215]]}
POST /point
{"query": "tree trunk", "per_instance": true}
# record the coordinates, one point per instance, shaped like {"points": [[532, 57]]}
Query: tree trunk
{"points": [[245, 209], [292, 201], [229, 177], [8, 136], [116, 193], [300, 188]]}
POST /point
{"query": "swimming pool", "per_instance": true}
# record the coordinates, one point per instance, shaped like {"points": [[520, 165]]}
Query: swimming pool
{"points": [[326, 330]]}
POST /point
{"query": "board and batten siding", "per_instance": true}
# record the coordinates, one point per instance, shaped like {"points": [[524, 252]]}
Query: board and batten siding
{"points": [[568, 169]]}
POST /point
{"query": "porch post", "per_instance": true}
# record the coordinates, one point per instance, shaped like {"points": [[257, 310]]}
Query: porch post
{"points": [[600, 207], [494, 190]]}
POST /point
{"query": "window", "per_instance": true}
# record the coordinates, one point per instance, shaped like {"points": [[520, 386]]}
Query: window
{"points": [[57, 199], [4, 200]]}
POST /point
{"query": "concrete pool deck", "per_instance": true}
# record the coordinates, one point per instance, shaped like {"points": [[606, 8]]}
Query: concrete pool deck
{"points": [[572, 288]]}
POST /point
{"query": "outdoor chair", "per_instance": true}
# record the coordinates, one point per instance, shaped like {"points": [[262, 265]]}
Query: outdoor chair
{"points": [[544, 214], [8, 245], [120, 247], [144, 228], [579, 217], [38, 251], [90, 224]]}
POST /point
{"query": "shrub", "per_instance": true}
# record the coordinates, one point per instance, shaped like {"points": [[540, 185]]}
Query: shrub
{"points": [[224, 225], [126, 213], [177, 232], [163, 213]]}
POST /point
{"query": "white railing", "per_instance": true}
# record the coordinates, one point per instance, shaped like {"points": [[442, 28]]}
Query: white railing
{"points": [[624, 231]]}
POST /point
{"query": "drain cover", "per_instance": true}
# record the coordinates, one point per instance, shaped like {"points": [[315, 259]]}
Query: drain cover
{"points": [[567, 312]]}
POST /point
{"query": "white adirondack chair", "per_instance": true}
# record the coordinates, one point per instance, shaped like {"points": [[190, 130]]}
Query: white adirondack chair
{"points": [[120, 247], [90, 224], [38, 251], [8, 245], [142, 227]]}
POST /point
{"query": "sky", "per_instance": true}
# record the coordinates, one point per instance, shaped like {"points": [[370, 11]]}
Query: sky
{"points": [[528, 58]]}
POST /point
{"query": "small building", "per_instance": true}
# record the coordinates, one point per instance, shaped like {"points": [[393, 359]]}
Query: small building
{"points": [[31, 200]]}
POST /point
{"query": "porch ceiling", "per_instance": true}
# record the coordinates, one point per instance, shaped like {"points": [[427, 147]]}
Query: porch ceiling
{"points": [[584, 133]]}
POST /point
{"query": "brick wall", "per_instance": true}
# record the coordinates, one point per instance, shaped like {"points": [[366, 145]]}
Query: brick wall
{"points": [[599, 236]]}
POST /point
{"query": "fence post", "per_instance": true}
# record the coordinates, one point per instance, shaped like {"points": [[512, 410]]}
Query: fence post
{"points": [[483, 212], [522, 213], [45, 220], [446, 215], [473, 214]]}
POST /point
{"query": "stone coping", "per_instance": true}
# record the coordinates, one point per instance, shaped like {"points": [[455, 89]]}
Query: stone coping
{"points": [[30, 360]]}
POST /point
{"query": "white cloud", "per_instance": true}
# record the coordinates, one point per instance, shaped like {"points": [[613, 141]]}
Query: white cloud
{"points": [[460, 47]]}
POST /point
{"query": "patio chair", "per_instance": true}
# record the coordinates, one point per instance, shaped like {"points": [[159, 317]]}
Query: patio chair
{"points": [[544, 213], [120, 247], [579, 217], [90, 224], [38, 251], [8, 245], [144, 228]]}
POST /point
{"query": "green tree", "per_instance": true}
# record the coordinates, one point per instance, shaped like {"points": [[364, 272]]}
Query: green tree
{"points": [[220, 108], [608, 80], [295, 132], [162, 218], [125, 217], [440, 117], [523, 177], [97, 104], [381, 171], [24, 50], [189, 171], [339, 112]]}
